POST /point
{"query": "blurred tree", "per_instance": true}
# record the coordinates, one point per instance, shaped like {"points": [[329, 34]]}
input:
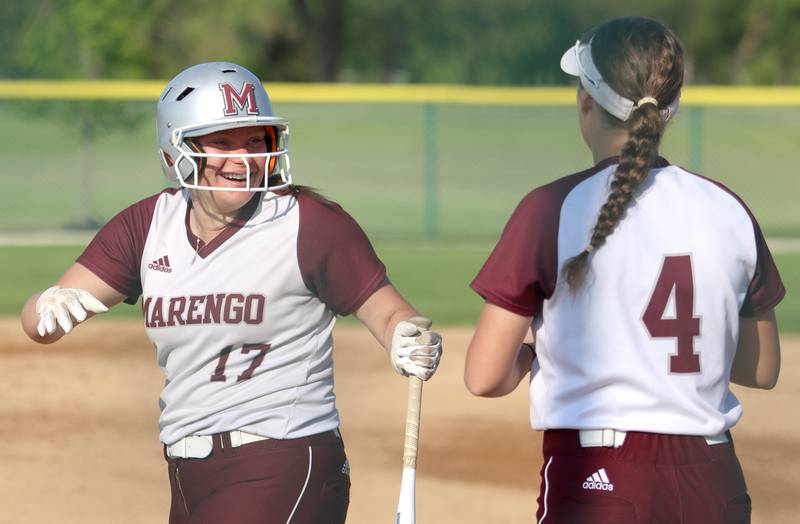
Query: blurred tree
{"points": [[753, 43], [13, 15], [455, 41], [767, 50], [324, 22], [510, 42], [469, 41], [379, 39], [87, 39]]}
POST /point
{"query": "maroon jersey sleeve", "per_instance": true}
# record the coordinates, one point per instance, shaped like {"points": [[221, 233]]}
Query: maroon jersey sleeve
{"points": [[522, 270], [115, 253], [520, 273], [766, 288], [337, 261]]}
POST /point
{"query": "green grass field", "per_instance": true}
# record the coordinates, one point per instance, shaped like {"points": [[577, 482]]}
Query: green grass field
{"points": [[434, 277], [370, 158]]}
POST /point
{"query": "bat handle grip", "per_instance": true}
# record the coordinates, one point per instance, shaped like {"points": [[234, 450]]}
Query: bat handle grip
{"points": [[412, 422]]}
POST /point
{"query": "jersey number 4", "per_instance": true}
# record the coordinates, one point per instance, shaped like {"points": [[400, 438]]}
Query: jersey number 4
{"points": [[219, 372], [676, 273]]}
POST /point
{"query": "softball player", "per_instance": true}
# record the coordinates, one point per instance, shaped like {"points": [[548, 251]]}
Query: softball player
{"points": [[241, 274], [633, 292]]}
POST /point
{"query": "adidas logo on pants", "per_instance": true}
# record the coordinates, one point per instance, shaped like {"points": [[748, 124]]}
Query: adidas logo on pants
{"points": [[598, 480]]}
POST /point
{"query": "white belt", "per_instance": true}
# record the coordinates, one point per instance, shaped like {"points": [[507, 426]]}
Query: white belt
{"points": [[200, 446], [612, 438]]}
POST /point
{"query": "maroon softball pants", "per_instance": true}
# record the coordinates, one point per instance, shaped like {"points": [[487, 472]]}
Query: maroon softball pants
{"points": [[277, 481], [651, 478]]}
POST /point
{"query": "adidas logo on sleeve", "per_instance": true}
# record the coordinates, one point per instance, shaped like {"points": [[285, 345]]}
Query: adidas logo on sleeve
{"points": [[598, 480], [162, 264]]}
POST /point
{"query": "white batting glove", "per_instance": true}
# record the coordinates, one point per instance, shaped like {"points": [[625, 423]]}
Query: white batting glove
{"points": [[415, 349], [57, 306]]}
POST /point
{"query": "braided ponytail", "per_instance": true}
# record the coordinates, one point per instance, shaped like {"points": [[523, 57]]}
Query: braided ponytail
{"points": [[638, 154], [645, 126]]}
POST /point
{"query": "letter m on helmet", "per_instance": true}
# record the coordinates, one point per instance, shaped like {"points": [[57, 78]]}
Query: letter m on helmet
{"points": [[236, 101]]}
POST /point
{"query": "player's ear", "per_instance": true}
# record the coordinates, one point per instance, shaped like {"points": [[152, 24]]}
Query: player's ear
{"points": [[585, 102], [167, 158]]}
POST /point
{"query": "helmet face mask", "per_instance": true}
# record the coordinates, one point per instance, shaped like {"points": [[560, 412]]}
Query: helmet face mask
{"points": [[212, 97]]}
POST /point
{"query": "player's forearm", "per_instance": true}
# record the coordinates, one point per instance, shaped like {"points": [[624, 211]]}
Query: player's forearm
{"points": [[520, 369], [757, 363], [496, 359], [760, 375], [494, 381], [382, 311]]}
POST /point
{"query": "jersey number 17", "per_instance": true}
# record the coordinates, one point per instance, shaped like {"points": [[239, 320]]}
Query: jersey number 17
{"points": [[676, 273]]}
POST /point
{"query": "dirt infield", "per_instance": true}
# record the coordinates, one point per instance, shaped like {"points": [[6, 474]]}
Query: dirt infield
{"points": [[80, 435]]}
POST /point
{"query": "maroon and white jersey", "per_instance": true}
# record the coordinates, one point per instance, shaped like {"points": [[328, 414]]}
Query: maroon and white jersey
{"points": [[241, 325], [648, 342]]}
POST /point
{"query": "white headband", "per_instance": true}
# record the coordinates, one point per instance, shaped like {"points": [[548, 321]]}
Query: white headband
{"points": [[577, 61]]}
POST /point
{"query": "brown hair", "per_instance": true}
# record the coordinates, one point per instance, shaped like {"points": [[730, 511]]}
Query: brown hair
{"points": [[312, 192], [638, 58]]}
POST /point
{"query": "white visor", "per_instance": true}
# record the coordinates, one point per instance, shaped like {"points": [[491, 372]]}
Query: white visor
{"points": [[577, 61]]}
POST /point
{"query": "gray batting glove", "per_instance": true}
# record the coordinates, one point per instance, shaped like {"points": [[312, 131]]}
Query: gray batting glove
{"points": [[415, 349], [58, 306]]}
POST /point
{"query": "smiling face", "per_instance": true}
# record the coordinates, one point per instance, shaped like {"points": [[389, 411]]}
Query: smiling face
{"points": [[231, 172]]}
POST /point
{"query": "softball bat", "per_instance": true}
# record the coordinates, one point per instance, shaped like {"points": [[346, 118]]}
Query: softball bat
{"points": [[406, 506]]}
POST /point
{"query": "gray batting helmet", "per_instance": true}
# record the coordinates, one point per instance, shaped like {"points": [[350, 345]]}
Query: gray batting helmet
{"points": [[211, 97]]}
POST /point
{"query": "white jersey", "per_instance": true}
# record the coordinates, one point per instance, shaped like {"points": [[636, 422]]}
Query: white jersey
{"points": [[648, 341], [241, 326]]}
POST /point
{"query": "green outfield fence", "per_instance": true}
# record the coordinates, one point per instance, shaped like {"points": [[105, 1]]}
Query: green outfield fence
{"points": [[432, 162]]}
